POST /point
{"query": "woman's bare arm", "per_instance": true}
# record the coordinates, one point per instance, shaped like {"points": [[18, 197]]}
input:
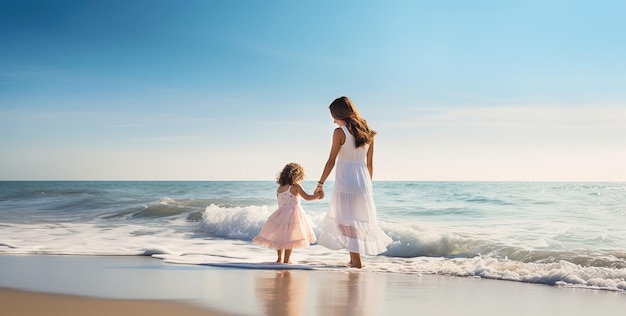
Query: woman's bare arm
{"points": [[338, 139], [370, 160]]}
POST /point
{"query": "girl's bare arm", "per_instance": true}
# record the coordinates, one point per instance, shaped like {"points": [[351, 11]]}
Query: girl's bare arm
{"points": [[304, 195]]}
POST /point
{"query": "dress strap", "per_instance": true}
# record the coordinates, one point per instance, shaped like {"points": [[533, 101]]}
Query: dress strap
{"points": [[345, 130], [288, 190]]}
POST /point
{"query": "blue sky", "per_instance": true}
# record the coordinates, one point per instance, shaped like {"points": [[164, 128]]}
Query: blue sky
{"points": [[232, 90]]}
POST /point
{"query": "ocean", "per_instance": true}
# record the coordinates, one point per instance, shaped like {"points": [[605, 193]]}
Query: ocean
{"points": [[556, 233]]}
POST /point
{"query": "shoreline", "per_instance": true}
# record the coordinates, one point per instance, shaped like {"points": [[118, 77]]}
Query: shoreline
{"points": [[19, 302], [132, 284]]}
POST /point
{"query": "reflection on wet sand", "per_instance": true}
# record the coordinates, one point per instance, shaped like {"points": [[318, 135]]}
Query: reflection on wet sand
{"points": [[352, 294], [282, 293]]}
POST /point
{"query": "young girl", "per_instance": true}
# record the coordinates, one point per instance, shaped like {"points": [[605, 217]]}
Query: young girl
{"points": [[351, 222], [288, 227]]}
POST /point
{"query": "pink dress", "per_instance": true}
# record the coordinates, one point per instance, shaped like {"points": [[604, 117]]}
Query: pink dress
{"points": [[288, 227]]}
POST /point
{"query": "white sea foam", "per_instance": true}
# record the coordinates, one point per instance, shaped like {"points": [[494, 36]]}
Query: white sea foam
{"points": [[224, 235], [234, 223], [561, 235]]}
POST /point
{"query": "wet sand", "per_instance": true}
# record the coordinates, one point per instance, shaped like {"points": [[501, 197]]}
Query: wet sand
{"points": [[77, 285]]}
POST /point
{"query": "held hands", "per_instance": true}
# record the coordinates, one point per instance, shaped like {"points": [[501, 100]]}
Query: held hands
{"points": [[319, 191]]}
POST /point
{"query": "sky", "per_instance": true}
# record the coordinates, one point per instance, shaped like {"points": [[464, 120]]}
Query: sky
{"points": [[234, 90]]}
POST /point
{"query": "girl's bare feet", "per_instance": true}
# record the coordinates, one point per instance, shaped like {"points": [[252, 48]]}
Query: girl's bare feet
{"points": [[287, 256], [279, 252]]}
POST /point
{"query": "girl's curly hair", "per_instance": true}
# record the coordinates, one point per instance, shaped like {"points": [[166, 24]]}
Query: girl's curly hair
{"points": [[291, 174]]}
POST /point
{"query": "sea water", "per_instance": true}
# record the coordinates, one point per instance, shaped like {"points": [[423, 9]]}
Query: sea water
{"points": [[557, 233]]}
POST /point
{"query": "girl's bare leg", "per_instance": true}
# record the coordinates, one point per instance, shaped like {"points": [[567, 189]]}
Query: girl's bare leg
{"points": [[287, 255], [280, 255]]}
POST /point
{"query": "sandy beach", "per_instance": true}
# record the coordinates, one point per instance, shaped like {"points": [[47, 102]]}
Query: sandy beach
{"points": [[102, 285], [15, 302]]}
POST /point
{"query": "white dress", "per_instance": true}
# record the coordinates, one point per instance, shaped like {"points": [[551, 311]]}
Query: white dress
{"points": [[351, 221]]}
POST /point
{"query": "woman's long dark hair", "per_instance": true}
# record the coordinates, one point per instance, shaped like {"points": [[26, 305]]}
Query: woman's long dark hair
{"points": [[342, 108]]}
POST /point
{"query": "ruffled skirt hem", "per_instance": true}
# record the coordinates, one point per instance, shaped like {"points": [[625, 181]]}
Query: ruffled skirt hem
{"points": [[282, 245], [358, 237], [287, 228]]}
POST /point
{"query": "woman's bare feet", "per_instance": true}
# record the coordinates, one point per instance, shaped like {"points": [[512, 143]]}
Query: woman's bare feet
{"points": [[355, 260]]}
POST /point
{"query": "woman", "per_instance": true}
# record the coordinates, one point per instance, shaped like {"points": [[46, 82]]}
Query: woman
{"points": [[351, 219]]}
